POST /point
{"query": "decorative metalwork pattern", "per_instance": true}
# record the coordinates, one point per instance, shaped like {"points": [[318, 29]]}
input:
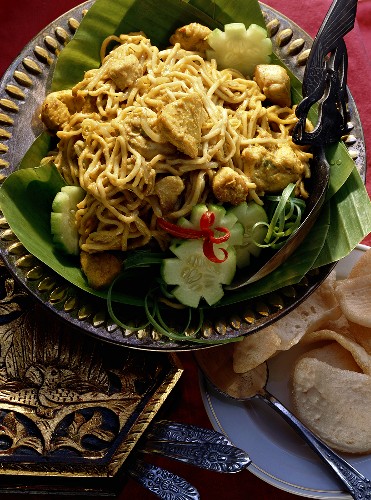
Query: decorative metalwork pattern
{"points": [[80, 309], [162, 483], [209, 456], [185, 433], [70, 407]]}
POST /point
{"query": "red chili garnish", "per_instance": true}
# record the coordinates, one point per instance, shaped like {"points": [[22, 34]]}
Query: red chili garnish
{"points": [[178, 231], [205, 232], [221, 239], [208, 248], [207, 220]]}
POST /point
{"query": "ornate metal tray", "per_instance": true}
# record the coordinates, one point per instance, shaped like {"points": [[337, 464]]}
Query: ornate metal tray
{"points": [[22, 91], [72, 408]]}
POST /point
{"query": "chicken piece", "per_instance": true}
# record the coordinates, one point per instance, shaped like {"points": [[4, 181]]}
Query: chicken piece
{"points": [[274, 82], [73, 101], [141, 143], [230, 187], [168, 190], [149, 149], [180, 123], [58, 107], [272, 171], [100, 268], [124, 71], [192, 37], [253, 156]]}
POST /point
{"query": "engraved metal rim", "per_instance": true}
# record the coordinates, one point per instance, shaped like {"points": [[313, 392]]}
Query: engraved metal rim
{"points": [[22, 89]]}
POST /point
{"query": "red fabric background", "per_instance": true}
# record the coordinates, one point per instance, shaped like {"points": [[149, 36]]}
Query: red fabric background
{"points": [[20, 21]]}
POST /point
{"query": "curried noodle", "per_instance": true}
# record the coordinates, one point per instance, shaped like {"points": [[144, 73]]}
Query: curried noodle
{"points": [[146, 134]]}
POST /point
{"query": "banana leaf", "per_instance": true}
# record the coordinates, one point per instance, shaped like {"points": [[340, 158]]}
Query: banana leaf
{"points": [[158, 20], [113, 17], [39, 149], [26, 198], [227, 11], [350, 217]]}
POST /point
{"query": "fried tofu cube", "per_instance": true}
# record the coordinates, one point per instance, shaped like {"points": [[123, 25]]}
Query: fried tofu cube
{"points": [[180, 122], [274, 82]]}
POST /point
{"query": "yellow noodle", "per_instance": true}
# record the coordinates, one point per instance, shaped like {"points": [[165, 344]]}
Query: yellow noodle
{"points": [[114, 150]]}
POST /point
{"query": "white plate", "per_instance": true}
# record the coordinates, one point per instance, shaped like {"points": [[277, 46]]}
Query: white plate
{"points": [[279, 456]]}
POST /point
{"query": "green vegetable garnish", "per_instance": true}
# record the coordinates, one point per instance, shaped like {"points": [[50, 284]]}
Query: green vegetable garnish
{"points": [[254, 220], [62, 219], [285, 220]]}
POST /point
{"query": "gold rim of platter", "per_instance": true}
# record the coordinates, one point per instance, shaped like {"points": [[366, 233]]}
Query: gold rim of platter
{"points": [[28, 77]]}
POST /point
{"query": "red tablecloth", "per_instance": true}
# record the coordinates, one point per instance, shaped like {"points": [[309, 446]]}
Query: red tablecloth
{"points": [[20, 21]]}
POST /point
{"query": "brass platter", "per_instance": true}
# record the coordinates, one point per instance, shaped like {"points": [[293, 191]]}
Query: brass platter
{"points": [[22, 90]]}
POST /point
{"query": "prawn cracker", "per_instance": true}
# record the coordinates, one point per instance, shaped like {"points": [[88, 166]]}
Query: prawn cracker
{"points": [[312, 314], [334, 355], [216, 363], [360, 355], [354, 296], [362, 335], [362, 266], [334, 403], [255, 349]]}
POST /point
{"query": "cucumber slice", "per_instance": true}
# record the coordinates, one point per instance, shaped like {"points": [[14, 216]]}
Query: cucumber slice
{"points": [[249, 214], [62, 219], [195, 276], [222, 219], [239, 48], [199, 210]]}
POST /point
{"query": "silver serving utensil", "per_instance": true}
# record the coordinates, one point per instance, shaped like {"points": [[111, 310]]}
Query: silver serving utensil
{"points": [[161, 482], [324, 82], [210, 456], [205, 448], [165, 430], [325, 78], [216, 365]]}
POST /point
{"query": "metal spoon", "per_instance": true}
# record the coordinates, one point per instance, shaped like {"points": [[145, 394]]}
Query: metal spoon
{"points": [[216, 365]]}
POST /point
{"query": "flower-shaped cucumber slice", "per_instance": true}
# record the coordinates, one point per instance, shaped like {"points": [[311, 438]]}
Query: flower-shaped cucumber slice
{"points": [[240, 48], [195, 276]]}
